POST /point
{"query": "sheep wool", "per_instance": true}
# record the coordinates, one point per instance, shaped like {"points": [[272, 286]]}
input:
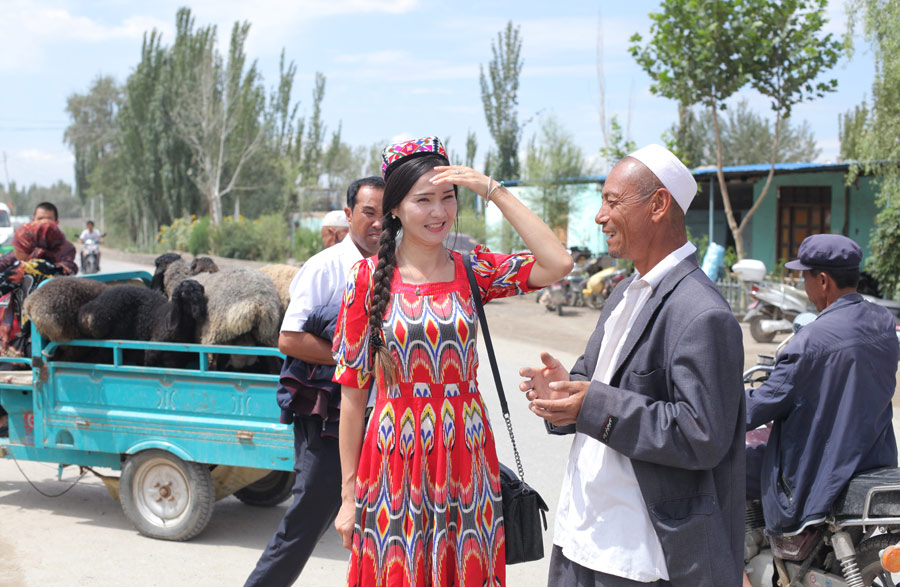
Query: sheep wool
{"points": [[54, 306], [282, 276]]}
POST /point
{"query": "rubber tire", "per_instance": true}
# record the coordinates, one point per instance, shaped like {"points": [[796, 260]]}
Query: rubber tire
{"points": [[193, 486], [269, 491], [559, 310], [757, 332], [868, 559]]}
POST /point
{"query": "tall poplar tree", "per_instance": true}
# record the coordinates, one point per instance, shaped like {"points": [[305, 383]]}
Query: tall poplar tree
{"points": [[499, 95]]}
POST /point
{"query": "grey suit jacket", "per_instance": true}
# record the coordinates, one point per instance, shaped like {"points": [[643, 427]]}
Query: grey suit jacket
{"points": [[675, 407]]}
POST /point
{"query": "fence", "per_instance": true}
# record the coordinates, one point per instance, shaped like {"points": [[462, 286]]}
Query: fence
{"points": [[735, 293]]}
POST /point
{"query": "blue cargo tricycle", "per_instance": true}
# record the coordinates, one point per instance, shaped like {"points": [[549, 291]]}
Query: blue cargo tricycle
{"points": [[182, 438]]}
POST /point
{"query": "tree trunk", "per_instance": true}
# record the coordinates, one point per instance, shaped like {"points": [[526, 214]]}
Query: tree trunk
{"points": [[765, 190], [726, 200]]}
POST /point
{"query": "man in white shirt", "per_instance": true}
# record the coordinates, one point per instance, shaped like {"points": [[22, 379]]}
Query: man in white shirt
{"points": [[90, 233], [317, 490], [654, 488]]}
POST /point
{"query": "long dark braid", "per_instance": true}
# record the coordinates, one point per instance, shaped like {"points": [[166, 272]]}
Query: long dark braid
{"points": [[385, 366]]}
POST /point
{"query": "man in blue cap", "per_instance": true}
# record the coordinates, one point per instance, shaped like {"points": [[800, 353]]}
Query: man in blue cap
{"points": [[829, 395]]}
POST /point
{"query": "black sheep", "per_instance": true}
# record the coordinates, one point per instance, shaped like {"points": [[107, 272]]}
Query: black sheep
{"points": [[124, 312], [137, 313], [178, 320], [162, 262], [203, 265]]}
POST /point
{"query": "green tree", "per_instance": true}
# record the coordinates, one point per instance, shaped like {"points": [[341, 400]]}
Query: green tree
{"points": [[851, 129], [552, 160], [747, 139], [703, 51], [687, 137], [619, 146], [877, 144], [151, 184], [217, 108], [92, 132], [499, 95]]}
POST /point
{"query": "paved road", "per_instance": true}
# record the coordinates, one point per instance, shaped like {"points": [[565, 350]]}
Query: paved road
{"points": [[83, 538]]}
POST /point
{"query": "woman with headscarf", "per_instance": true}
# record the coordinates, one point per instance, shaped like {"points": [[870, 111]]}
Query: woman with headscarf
{"points": [[421, 492]]}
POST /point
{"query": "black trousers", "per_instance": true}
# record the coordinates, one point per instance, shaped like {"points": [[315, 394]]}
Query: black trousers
{"points": [[565, 573], [317, 499]]}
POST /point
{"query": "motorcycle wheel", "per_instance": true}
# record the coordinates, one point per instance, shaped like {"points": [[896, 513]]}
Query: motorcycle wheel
{"points": [[756, 331], [559, 309], [868, 557]]}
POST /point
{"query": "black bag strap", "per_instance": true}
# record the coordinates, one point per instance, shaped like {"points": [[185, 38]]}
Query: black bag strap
{"points": [[479, 306]]}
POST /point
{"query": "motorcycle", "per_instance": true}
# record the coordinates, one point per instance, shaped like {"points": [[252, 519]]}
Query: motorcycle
{"points": [[774, 305], [600, 285], [90, 255], [845, 550]]}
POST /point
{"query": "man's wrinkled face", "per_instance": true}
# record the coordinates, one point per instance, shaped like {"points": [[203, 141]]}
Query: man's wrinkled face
{"points": [[624, 216], [365, 219]]}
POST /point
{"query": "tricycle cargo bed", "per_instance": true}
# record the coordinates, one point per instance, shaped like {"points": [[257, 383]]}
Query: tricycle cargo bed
{"points": [[222, 418]]}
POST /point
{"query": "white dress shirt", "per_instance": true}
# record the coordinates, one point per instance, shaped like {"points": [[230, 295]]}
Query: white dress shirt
{"points": [[602, 521], [320, 282]]}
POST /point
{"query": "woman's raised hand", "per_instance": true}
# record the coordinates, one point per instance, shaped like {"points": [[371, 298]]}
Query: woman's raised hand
{"points": [[463, 176]]}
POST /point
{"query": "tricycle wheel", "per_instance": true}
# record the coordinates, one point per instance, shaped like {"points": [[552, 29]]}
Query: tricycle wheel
{"points": [[165, 497], [269, 491]]}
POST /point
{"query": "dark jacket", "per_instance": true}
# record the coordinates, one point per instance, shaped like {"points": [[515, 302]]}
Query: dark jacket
{"points": [[675, 407], [306, 389], [829, 396]]}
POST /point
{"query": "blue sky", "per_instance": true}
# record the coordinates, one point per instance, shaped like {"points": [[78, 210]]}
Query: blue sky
{"points": [[394, 68]]}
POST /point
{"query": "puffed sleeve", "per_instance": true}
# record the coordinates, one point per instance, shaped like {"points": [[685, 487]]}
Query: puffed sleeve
{"points": [[501, 276], [351, 339]]}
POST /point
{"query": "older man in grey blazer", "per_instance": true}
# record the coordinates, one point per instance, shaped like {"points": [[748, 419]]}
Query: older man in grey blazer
{"points": [[654, 487]]}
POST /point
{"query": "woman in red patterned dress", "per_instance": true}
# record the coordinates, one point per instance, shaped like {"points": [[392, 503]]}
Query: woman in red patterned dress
{"points": [[421, 491]]}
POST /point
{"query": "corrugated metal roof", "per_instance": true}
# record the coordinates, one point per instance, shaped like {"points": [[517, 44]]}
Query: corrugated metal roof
{"points": [[731, 170]]}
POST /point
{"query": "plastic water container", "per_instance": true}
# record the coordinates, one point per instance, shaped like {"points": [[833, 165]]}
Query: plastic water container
{"points": [[749, 270], [712, 260]]}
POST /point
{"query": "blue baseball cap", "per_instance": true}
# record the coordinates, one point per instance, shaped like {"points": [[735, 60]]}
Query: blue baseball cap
{"points": [[826, 251]]}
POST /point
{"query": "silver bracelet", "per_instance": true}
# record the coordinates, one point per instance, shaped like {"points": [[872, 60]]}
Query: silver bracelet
{"points": [[499, 184]]}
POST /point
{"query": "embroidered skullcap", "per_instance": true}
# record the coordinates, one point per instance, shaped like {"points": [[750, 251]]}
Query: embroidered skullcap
{"points": [[394, 154], [336, 218], [670, 171]]}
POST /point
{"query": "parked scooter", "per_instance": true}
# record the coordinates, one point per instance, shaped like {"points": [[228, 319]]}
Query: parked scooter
{"points": [[774, 305], [600, 285], [843, 551], [90, 255]]}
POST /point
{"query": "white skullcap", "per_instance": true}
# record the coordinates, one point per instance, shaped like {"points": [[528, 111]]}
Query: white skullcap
{"points": [[336, 218], [670, 171]]}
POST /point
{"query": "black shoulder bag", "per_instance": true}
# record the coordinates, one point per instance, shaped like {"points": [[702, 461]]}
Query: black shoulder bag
{"points": [[523, 508]]}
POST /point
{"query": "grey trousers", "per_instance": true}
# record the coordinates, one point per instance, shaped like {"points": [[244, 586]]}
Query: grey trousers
{"points": [[565, 573]]}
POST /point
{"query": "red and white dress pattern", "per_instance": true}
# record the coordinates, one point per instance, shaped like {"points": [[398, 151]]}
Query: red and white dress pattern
{"points": [[428, 504]]}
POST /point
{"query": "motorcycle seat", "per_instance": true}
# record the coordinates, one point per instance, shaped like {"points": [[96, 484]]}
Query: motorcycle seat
{"points": [[880, 487]]}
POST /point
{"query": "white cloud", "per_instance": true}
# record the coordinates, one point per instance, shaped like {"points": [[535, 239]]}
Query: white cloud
{"points": [[43, 167], [29, 29], [275, 21]]}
